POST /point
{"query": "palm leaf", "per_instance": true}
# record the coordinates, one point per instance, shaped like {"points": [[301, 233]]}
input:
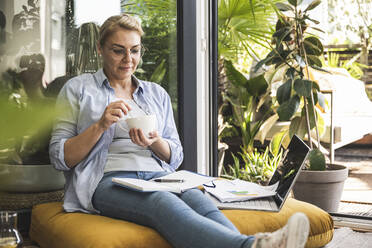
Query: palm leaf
{"points": [[238, 24]]}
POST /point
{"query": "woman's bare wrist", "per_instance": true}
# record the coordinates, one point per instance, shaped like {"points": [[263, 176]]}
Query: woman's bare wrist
{"points": [[98, 127]]}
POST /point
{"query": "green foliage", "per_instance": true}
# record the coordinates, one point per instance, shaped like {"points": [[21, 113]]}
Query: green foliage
{"points": [[295, 53], [288, 108], [243, 97], [244, 29], [276, 142], [159, 22], [82, 52], [243, 25], [253, 166], [10, 86], [354, 68], [26, 116], [284, 92], [24, 130], [316, 160]]}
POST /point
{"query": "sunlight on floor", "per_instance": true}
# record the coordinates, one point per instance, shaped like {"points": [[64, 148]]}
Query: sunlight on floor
{"points": [[358, 185]]}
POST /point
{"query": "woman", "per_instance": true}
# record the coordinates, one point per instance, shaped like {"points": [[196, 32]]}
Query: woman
{"points": [[91, 149]]}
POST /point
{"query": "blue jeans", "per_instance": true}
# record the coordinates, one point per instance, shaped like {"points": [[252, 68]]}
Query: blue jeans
{"points": [[185, 220]]}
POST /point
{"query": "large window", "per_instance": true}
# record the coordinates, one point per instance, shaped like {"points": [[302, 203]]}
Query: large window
{"points": [[159, 22], [62, 35], [43, 43], [21, 64]]}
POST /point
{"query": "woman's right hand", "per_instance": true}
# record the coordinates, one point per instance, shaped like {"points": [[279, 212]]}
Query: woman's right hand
{"points": [[113, 112], [78, 147]]}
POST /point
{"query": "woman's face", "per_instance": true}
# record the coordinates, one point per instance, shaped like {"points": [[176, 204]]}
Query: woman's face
{"points": [[121, 54]]}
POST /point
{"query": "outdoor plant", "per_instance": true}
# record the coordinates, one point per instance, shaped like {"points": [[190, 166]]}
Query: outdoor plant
{"points": [[26, 116], [246, 98], [250, 103], [243, 29], [23, 128], [354, 68], [295, 49], [159, 22], [258, 166], [82, 52]]}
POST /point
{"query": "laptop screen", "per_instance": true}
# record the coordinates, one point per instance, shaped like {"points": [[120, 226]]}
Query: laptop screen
{"points": [[288, 170]]}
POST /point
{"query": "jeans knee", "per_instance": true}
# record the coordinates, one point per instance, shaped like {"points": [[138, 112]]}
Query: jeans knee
{"points": [[198, 201], [161, 199], [167, 204]]}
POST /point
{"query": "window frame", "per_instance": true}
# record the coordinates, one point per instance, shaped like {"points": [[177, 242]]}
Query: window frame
{"points": [[187, 79], [213, 84]]}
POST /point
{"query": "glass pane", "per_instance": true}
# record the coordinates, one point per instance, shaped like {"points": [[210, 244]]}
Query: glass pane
{"points": [[64, 33], [43, 43], [21, 64], [159, 22], [22, 82]]}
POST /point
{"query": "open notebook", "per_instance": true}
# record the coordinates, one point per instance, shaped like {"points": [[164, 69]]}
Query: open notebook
{"points": [[187, 180]]}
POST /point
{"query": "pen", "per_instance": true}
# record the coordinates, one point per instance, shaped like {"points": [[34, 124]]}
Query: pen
{"points": [[164, 180]]}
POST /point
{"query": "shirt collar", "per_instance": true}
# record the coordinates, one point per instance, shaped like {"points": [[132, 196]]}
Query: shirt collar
{"points": [[101, 78], [138, 83]]}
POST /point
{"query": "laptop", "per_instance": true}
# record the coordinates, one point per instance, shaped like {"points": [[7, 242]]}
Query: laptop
{"points": [[285, 176]]}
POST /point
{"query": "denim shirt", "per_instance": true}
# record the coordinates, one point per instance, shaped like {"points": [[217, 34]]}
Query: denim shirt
{"points": [[83, 100]]}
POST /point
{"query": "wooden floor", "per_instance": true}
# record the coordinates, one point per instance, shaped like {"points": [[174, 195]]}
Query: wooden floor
{"points": [[358, 186], [357, 195], [358, 209], [346, 237]]}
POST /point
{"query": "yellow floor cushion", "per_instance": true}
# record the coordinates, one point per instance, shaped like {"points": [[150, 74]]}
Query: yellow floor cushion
{"points": [[51, 227]]}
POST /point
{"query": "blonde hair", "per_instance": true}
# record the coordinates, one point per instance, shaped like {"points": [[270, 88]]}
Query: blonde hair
{"points": [[118, 21]]}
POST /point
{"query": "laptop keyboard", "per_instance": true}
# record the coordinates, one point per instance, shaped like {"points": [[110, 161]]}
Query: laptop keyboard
{"points": [[260, 204], [252, 204], [264, 204]]}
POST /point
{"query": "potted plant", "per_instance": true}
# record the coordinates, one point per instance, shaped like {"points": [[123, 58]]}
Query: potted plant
{"points": [[244, 26], [24, 160], [294, 51], [250, 104], [26, 115], [82, 52]]}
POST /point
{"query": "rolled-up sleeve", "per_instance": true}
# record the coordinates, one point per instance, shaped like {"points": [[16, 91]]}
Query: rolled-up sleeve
{"points": [[170, 134], [65, 124]]}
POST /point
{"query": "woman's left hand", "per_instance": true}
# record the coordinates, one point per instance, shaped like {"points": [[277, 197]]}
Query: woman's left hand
{"points": [[138, 137], [155, 142]]}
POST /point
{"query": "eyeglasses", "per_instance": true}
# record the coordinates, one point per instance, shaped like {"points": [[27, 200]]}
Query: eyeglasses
{"points": [[122, 52]]}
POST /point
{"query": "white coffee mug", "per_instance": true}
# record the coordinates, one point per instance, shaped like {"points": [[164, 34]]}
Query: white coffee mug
{"points": [[146, 122]]}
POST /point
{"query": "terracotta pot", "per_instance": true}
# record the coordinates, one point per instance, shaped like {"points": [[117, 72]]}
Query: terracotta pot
{"points": [[322, 188]]}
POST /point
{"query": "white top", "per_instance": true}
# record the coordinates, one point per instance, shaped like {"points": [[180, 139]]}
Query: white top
{"points": [[123, 154]]}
